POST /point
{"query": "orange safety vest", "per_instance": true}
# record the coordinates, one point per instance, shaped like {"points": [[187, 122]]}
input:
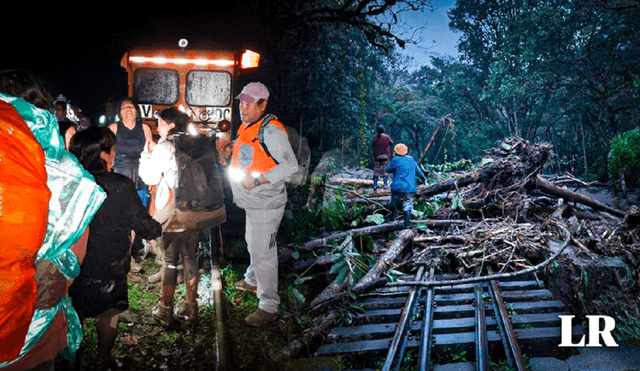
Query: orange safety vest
{"points": [[249, 152]]}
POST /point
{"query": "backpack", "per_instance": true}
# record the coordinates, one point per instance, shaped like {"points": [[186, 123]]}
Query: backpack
{"points": [[298, 144], [198, 200], [267, 119]]}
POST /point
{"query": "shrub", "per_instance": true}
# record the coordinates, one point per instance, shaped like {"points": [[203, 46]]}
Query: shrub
{"points": [[624, 156]]}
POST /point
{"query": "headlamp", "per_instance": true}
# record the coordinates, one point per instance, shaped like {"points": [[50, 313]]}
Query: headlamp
{"points": [[236, 174]]}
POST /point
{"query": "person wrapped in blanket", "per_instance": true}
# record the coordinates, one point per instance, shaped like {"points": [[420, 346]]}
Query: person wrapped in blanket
{"points": [[47, 201]]}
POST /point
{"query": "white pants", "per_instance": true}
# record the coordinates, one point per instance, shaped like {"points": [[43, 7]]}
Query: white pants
{"points": [[260, 234]]}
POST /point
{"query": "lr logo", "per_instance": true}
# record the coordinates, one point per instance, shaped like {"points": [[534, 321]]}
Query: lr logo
{"points": [[595, 333]]}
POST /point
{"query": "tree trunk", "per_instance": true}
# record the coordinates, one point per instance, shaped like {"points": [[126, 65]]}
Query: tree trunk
{"points": [[321, 260], [385, 261], [554, 190], [451, 184], [382, 228], [433, 137], [333, 291], [322, 327], [352, 182]]}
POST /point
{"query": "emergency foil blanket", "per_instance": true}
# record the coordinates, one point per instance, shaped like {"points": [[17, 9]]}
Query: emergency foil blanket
{"points": [[75, 198]]}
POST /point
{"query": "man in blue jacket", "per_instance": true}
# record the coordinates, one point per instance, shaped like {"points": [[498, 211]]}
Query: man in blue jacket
{"points": [[405, 171]]}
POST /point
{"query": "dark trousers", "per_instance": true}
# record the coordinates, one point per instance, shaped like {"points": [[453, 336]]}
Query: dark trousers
{"points": [[401, 201]]}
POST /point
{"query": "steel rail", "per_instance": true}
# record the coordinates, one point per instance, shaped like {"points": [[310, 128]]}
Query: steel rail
{"points": [[220, 343], [399, 341], [482, 343], [501, 328], [424, 360], [512, 349]]}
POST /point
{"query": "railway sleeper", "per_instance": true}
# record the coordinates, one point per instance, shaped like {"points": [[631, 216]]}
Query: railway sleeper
{"points": [[533, 313]]}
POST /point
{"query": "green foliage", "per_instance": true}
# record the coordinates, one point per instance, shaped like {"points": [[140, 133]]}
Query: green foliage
{"points": [[554, 70], [456, 203], [624, 155], [375, 218], [460, 357], [331, 215], [350, 265], [139, 298], [462, 165]]}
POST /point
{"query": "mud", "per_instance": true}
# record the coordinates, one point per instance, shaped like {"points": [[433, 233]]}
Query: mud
{"points": [[609, 196]]}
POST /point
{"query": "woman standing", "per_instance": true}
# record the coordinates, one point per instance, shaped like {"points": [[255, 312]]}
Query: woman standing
{"points": [[158, 167], [131, 138], [101, 291]]}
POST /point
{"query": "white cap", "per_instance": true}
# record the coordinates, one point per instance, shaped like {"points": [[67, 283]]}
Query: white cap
{"points": [[253, 91]]}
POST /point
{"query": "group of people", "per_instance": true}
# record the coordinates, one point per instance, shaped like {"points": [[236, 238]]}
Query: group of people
{"points": [[405, 171], [98, 285], [83, 245], [93, 261]]}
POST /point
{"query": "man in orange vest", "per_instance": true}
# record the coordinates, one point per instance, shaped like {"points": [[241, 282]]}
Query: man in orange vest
{"points": [[262, 161]]}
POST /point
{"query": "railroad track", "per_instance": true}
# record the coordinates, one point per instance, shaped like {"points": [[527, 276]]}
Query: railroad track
{"points": [[503, 321]]}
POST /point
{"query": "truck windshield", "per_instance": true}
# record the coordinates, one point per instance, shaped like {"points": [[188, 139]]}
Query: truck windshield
{"points": [[208, 88], [156, 86]]}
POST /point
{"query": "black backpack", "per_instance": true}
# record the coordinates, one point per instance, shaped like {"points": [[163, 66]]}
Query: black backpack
{"points": [[199, 197]]}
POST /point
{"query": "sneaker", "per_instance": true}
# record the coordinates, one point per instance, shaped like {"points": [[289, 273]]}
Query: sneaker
{"points": [[244, 286], [261, 318]]}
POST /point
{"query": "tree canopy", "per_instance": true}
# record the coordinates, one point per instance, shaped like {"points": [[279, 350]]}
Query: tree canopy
{"points": [[564, 72]]}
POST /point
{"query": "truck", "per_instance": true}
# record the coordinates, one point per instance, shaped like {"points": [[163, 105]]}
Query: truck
{"points": [[201, 84]]}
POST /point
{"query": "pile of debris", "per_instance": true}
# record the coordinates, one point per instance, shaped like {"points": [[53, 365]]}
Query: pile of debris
{"points": [[504, 217]]}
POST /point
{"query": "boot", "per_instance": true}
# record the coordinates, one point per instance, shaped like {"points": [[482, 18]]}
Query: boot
{"points": [[164, 314], [189, 312], [164, 310], [261, 318], [375, 183]]}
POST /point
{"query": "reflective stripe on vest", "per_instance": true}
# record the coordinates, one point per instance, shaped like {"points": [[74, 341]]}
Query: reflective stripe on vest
{"points": [[248, 153]]}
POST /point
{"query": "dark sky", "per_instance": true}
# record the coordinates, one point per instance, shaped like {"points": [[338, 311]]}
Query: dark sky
{"points": [[78, 51], [79, 55]]}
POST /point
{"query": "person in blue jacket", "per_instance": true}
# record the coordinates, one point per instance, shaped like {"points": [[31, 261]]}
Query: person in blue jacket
{"points": [[405, 172]]}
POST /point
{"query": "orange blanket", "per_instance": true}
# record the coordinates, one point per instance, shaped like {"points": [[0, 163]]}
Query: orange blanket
{"points": [[24, 204]]}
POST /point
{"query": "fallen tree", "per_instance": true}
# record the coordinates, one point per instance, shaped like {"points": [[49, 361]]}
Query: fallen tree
{"points": [[335, 290], [372, 276], [553, 190], [339, 236]]}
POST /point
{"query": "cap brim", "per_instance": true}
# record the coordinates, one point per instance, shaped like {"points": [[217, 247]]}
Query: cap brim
{"points": [[245, 98]]}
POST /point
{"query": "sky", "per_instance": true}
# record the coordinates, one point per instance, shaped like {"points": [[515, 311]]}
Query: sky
{"points": [[437, 40], [78, 53]]}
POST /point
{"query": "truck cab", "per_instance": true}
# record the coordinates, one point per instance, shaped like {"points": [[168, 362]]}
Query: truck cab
{"points": [[198, 82]]}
